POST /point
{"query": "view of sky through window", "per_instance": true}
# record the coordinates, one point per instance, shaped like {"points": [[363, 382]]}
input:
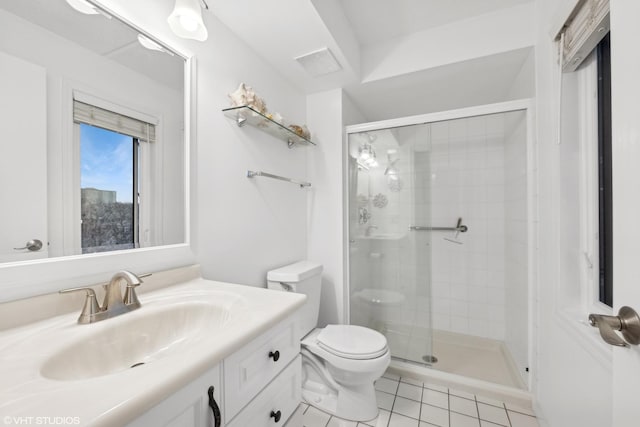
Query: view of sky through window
{"points": [[106, 161]]}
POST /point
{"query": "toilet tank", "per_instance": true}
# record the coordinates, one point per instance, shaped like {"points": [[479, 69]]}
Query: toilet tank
{"points": [[303, 277]]}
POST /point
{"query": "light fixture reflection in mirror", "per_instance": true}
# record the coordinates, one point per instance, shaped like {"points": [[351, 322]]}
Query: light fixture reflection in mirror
{"points": [[103, 78], [83, 7], [147, 43]]}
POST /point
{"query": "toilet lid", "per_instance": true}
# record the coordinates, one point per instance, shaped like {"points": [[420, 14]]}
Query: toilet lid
{"points": [[352, 342]]}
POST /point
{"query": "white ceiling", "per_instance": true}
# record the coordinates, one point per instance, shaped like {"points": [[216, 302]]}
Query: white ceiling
{"points": [[374, 21], [354, 30], [480, 81], [107, 37]]}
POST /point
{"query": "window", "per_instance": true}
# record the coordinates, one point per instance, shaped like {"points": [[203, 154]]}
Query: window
{"points": [[112, 148], [605, 230], [109, 190]]}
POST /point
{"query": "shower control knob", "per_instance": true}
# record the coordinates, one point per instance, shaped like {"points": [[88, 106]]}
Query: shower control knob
{"points": [[276, 416], [275, 355]]}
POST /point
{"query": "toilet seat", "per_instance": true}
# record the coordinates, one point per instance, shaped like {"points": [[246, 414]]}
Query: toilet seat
{"points": [[352, 342]]}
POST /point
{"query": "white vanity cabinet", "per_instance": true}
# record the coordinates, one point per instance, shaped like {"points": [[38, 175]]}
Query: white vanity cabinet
{"points": [[189, 407], [257, 385]]}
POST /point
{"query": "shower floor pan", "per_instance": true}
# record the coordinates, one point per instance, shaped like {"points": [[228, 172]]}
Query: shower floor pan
{"points": [[466, 355]]}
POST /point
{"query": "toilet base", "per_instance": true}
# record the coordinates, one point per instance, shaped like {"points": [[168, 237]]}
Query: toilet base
{"points": [[354, 404]]}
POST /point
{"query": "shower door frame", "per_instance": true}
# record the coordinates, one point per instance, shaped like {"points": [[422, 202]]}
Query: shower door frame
{"points": [[525, 105]]}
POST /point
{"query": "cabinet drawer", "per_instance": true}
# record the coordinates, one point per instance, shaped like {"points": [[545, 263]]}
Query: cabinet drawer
{"points": [[280, 398], [251, 368]]}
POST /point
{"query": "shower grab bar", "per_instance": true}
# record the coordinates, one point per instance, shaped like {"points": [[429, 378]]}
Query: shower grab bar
{"points": [[302, 184], [459, 228]]}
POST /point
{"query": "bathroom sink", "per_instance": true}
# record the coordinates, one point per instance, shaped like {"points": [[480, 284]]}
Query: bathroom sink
{"points": [[132, 362], [138, 338]]}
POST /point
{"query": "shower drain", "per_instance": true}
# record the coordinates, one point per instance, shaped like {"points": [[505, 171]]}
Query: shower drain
{"points": [[430, 358]]}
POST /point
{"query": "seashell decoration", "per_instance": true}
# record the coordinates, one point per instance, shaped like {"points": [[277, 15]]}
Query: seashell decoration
{"points": [[245, 95], [301, 131], [276, 117]]}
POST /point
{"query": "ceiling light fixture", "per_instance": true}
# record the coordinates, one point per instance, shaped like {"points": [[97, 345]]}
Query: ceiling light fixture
{"points": [[83, 7], [186, 20]]}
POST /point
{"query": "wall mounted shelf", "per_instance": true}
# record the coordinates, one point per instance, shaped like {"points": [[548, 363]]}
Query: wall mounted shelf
{"points": [[246, 115]]}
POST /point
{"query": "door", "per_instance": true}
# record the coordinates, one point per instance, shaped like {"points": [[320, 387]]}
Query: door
{"points": [[625, 87], [23, 108], [389, 257]]}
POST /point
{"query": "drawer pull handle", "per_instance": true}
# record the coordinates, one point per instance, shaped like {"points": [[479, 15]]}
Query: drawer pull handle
{"points": [[276, 415], [275, 355], [217, 419]]}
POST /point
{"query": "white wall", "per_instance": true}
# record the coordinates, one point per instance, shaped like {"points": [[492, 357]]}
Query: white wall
{"points": [[325, 217], [572, 376], [243, 227]]}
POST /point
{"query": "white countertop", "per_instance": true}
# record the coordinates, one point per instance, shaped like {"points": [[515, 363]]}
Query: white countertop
{"points": [[117, 399]]}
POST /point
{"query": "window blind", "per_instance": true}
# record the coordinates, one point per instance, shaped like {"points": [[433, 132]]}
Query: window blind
{"points": [[96, 116], [586, 26]]}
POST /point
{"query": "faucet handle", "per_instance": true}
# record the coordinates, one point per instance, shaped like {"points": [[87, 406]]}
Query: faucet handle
{"points": [[91, 306], [130, 297]]}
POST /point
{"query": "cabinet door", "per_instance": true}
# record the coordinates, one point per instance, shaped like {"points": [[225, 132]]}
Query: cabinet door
{"points": [[189, 407]]}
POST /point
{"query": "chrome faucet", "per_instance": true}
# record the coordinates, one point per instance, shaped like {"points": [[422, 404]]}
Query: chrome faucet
{"points": [[114, 304]]}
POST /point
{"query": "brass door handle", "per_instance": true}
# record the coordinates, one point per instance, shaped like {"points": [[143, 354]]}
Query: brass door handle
{"points": [[627, 322]]}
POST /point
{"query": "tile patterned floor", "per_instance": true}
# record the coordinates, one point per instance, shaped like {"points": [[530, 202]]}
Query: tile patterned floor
{"points": [[406, 402]]}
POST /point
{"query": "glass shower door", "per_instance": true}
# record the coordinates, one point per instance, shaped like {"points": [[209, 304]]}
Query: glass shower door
{"points": [[389, 253]]}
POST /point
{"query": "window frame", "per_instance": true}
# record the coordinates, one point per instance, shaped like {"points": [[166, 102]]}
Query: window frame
{"points": [[149, 178], [605, 186], [589, 185]]}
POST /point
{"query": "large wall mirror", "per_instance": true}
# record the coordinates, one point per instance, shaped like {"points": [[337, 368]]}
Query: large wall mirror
{"points": [[93, 134], [94, 143]]}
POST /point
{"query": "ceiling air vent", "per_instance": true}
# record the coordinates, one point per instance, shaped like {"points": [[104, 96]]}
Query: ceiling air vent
{"points": [[319, 62]]}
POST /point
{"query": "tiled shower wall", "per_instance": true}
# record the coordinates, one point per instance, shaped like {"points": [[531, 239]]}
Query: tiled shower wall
{"points": [[468, 181]]}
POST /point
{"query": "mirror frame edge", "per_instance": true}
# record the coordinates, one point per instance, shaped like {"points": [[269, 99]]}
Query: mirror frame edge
{"points": [[24, 279]]}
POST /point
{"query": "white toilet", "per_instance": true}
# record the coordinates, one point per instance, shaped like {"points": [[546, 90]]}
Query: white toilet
{"points": [[339, 362]]}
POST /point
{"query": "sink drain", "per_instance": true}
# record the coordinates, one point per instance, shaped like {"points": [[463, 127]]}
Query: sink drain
{"points": [[135, 365]]}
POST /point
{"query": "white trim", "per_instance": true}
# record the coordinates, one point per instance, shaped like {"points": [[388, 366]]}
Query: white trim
{"points": [[532, 247], [571, 314], [481, 110]]}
